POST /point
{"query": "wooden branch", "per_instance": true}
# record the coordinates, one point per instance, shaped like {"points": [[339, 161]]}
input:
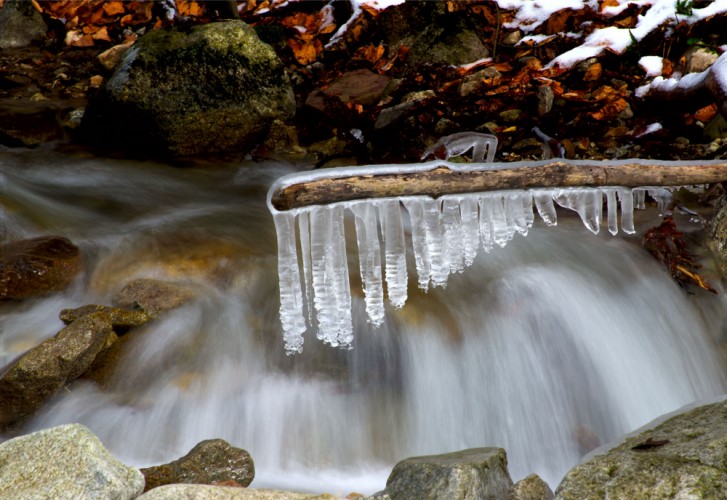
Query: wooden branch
{"points": [[444, 178]]}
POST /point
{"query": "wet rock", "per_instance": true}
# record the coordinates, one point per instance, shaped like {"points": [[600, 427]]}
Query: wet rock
{"points": [[360, 86], [37, 266], [683, 457], [282, 139], [38, 374], [153, 296], [447, 44], [474, 81], [210, 462], [390, 115], [475, 473], [122, 320], [531, 488], [212, 88], [205, 492], [511, 115], [20, 24], [64, 462]]}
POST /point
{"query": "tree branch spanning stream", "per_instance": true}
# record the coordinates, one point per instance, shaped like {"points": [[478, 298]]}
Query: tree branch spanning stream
{"points": [[440, 178]]}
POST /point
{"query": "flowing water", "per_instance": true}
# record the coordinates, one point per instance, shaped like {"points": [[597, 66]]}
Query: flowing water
{"points": [[549, 347]]}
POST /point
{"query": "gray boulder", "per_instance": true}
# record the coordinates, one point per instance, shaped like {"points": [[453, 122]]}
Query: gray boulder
{"points": [[65, 462], [39, 373], [683, 457], [212, 88], [475, 473], [531, 488], [122, 320], [20, 24], [212, 461]]}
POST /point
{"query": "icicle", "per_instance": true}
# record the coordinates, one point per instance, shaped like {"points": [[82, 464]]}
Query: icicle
{"points": [[395, 251], [612, 209], [452, 234], [470, 228], [369, 256], [486, 230], [520, 205], [662, 197], [419, 241], [459, 143], [587, 202], [330, 276], [626, 197], [438, 259], [502, 229], [639, 199], [291, 299], [546, 208], [304, 229]]}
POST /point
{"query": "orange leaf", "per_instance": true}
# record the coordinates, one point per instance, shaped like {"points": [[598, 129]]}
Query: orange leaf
{"points": [[304, 52], [608, 3], [593, 72], [187, 8], [113, 8], [610, 110], [102, 34], [706, 114], [370, 53]]}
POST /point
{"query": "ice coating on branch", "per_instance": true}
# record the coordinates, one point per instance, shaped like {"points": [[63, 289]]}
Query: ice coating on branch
{"points": [[445, 236], [460, 143]]}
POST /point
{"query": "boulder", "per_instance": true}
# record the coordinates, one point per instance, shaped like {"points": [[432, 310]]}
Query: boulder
{"points": [[36, 266], [475, 473], [685, 456], [531, 488], [152, 296], [205, 492], [122, 320], [64, 462], [212, 461], [211, 88], [38, 374], [20, 24]]}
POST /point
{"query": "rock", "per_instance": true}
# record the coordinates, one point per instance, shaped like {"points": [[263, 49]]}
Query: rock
{"points": [[699, 58], [39, 373], [511, 115], [545, 99], [20, 24], [37, 266], [206, 492], [531, 488], [447, 44], [281, 139], [212, 88], [153, 296], [360, 86], [122, 320], [683, 457], [475, 473], [209, 462], [110, 58], [64, 462], [387, 116]]}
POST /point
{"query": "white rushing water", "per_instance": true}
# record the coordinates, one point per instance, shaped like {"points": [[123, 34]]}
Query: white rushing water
{"points": [[549, 346]]}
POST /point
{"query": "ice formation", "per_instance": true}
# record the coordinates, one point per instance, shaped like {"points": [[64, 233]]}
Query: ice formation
{"points": [[462, 142], [445, 236]]}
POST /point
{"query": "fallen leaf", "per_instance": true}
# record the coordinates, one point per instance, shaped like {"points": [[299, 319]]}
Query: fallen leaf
{"points": [[706, 114], [113, 8], [593, 72]]}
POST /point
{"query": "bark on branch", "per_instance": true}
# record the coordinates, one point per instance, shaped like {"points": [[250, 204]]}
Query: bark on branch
{"points": [[442, 178]]}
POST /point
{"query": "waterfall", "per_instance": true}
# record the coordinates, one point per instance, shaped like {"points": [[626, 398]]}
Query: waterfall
{"points": [[548, 347]]}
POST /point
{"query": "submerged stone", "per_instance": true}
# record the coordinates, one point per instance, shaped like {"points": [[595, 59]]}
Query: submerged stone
{"points": [[212, 88], [36, 266]]}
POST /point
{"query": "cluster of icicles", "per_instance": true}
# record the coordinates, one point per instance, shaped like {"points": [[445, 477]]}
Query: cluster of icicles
{"points": [[446, 234]]}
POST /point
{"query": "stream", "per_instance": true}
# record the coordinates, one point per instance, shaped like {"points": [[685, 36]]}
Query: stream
{"points": [[558, 343]]}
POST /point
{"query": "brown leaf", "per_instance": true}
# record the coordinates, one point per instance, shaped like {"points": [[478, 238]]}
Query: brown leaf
{"points": [[610, 110], [593, 72], [304, 52], [113, 8], [706, 114]]}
